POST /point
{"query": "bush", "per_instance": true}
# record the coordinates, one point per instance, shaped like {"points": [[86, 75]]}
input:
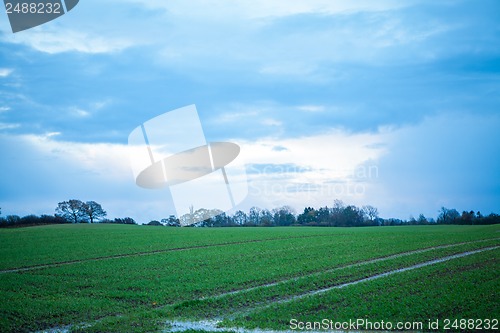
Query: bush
{"points": [[155, 223]]}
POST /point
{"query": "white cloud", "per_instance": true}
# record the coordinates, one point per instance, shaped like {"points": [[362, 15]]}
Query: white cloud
{"points": [[4, 72], [4, 126], [299, 69], [102, 172], [4, 109], [51, 134], [402, 171], [62, 40], [93, 107], [255, 36], [106, 159], [327, 155], [271, 122], [43, 171], [312, 170], [242, 113], [190, 35], [311, 108], [393, 32], [255, 9], [80, 112], [101, 104], [235, 116]]}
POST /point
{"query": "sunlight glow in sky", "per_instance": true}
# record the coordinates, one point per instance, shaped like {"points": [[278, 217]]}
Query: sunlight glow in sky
{"points": [[388, 103]]}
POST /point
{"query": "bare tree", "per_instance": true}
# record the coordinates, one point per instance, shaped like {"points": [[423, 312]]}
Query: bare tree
{"points": [[254, 215], [93, 211], [370, 212], [72, 210], [336, 213], [448, 216]]}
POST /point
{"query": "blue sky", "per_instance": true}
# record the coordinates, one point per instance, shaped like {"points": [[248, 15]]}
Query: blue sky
{"points": [[390, 103]]}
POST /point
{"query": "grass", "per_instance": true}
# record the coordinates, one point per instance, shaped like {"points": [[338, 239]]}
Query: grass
{"points": [[217, 306], [464, 288], [163, 273], [24, 247]]}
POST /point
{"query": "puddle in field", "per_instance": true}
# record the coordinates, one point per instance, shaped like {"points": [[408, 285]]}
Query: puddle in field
{"points": [[65, 329], [212, 326]]}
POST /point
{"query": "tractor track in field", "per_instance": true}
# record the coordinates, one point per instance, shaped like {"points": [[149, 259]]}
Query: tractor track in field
{"points": [[146, 253], [212, 325], [381, 275], [196, 247], [330, 270]]}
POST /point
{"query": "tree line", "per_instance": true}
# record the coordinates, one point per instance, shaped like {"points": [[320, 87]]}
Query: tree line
{"points": [[338, 215], [71, 211]]}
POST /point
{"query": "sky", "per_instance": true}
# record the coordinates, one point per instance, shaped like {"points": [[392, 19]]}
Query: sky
{"points": [[394, 104]]}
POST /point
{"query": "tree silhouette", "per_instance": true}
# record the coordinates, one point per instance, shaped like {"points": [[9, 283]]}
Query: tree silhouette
{"points": [[370, 212], [72, 210], [448, 216], [93, 211]]}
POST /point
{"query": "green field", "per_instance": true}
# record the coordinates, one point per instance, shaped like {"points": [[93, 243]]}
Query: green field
{"points": [[119, 278]]}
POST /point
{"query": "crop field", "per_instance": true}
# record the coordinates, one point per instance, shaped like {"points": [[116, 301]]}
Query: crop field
{"points": [[120, 278]]}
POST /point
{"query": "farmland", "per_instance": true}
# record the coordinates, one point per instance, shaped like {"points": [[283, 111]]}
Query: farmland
{"points": [[119, 278]]}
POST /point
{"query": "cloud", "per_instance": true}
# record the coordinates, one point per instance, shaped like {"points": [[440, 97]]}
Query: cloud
{"points": [[279, 148], [94, 27], [54, 170], [301, 69], [64, 40], [271, 122], [99, 159], [256, 9], [4, 72], [91, 109], [312, 170], [99, 105], [4, 126], [446, 160], [298, 39], [43, 171], [443, 161], [79, 112], [230, 117], [282, 77], [311, 108]]}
